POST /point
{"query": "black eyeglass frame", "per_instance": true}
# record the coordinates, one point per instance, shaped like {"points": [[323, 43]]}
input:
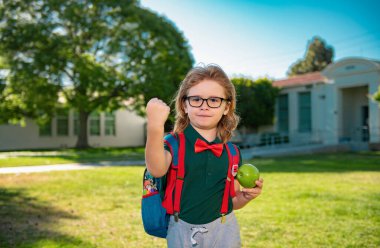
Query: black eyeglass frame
{"points": [[206, 99]]}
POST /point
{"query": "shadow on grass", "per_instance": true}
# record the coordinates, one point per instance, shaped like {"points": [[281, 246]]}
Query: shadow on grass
{"points": [[338, 162], [27, 222]]}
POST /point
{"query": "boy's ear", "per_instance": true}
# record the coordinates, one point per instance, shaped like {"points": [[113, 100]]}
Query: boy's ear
{"points": [[185, 107], [226, 109]]}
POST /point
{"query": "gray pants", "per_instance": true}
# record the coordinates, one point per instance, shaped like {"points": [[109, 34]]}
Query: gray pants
{"points": [[213, 234]]}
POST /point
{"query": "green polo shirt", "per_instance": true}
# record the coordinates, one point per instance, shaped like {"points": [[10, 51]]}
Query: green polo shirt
{"points": [[204, 182]]}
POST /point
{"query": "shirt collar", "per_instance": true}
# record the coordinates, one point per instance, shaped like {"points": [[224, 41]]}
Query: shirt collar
{"points": [[192, 135]]}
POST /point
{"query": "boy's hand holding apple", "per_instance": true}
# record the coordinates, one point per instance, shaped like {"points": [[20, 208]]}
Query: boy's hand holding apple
{"points": [[249, 178], [252, 193]]}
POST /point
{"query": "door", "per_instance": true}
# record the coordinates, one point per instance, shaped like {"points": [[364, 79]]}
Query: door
{"points": [[364, 120]]}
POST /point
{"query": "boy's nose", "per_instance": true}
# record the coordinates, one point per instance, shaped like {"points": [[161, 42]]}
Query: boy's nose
{"points": [[204, 105]]}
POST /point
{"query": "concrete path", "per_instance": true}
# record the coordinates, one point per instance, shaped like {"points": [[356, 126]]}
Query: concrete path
{"points": [[66, 167]]}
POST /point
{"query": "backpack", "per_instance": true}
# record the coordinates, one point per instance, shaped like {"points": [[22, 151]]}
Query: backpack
{"points": [[157, 202]]}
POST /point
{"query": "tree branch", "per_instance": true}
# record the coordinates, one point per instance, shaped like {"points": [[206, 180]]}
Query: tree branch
{"points": [[115, 93], [69, 75]]}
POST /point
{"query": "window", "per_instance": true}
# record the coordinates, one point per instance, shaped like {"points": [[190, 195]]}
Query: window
{"points": [[63, 123], [45, 129], [110, 124], [304, 112], [95, 124], [283, 113]]}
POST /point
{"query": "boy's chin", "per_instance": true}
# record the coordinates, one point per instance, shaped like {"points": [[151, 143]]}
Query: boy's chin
{"points": [[204, 126]]}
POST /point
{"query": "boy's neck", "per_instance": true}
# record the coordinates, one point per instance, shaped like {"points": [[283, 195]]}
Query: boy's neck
{"points": [[207, 134]]}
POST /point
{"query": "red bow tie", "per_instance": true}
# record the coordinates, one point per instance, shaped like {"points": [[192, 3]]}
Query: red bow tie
{"points": [[200, 146]]}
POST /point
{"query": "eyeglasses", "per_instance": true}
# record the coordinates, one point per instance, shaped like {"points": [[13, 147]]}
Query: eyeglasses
{"points": [[212, 102]]}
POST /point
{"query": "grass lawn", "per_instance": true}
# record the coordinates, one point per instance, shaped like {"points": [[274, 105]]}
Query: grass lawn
{"points": [[308, 201], [65, 156]]}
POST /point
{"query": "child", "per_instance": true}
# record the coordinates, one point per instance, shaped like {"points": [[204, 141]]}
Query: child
{"points": [[205, 111]]}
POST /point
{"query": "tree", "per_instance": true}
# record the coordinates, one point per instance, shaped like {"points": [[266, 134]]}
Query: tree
{"points": [[376, 96], [17, 103], [255, 102], [90, 55], [317, 57]]}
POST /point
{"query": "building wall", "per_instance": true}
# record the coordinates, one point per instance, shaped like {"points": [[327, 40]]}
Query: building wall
{"points": [[130, 131], [319, 108], [374, 112]]}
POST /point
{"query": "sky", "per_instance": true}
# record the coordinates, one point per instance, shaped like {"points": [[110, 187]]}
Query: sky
{"points": [[262, 38]]}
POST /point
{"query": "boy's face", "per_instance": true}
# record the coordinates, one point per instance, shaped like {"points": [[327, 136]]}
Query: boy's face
{"points": [[205, 117]]}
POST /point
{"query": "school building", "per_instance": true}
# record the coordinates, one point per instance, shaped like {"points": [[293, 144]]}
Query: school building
{"points": [[328, 109], [122, 128]]}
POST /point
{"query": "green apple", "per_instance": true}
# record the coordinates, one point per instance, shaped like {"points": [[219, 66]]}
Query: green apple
{"points": [[247, 175]]}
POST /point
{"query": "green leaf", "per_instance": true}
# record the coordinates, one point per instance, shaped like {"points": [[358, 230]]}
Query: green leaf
{"points": [[318, 56]]}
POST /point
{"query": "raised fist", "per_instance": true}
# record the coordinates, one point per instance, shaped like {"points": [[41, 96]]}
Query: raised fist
{"points": [[157, 112]]}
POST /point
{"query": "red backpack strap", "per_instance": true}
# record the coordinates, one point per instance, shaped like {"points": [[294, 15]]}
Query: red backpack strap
{"points": [[172, 142], [235, 166], [180, 176], [233, 163], [175, 175], [167, 202]]}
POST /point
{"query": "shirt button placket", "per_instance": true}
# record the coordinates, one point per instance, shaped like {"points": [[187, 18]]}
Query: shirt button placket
{"points": [[209, 158], [209, 153]]}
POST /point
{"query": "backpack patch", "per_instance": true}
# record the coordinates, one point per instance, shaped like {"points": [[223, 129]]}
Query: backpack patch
{"points": [[150, 185], [234, 170]]}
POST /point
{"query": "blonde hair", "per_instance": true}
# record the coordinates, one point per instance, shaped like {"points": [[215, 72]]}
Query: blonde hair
{"points": [[229, 122]]}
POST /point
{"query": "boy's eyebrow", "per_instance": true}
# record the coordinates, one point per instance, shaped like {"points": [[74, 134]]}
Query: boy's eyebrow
{"points": [[207, 97]]}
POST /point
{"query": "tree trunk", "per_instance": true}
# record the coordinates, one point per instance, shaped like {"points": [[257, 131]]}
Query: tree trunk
{"points": [[82, 141]]}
